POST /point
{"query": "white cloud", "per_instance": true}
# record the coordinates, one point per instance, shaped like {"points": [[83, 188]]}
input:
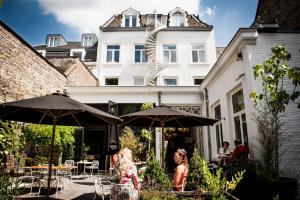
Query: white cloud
{"points": [[88, 15], [209, 12]]}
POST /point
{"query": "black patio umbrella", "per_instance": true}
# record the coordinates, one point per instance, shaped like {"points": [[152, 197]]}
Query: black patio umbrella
{"points": [[55, 109], [165, 117]]}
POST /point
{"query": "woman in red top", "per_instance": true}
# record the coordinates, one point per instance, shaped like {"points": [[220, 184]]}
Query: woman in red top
{"points": [[181, 171]]}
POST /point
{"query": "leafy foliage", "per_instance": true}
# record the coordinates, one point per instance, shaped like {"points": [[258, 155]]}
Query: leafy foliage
{"points": [[129, 140], [217, 186], [40, 136], [275, 75], [195, 169], [155, 175], [11, 140], [153, 194], [8, 190]]}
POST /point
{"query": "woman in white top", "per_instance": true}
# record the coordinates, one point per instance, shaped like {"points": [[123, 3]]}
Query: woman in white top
{"points": [[224, 153]]}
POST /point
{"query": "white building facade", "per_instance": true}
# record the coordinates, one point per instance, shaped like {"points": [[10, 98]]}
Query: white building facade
{"points": [[228, 87]]}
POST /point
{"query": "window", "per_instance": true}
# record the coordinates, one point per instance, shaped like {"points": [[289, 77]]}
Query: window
{"points": [[130, 20], [170, 81], [169, 53], [198, 53], [198, 81], [140, 54], [239, 117], [218, 127], [139, 81], [53, 42], [113, 53], [87, 41], [111, 81], [77, 54], [178, 19]]}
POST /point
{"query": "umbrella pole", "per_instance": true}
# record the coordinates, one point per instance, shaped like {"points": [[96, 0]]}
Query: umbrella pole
{"points": [[163, 147], [51, 156]]}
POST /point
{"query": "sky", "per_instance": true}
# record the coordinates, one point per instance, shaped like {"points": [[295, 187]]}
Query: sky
{"points": [[34, 19]]}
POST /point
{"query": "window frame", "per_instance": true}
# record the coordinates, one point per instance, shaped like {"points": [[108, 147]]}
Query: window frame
{"points": [[141, 53], [53, 41], [218, 127], [113, 53], [241, 128], [198, 50], [169, 51], [130, 20], [170, 78]]}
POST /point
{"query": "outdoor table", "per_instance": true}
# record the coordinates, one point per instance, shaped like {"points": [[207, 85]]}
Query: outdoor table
{"points": [[82, 163]]}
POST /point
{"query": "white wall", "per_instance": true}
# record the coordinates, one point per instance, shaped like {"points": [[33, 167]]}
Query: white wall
{"points": [[222, 83], [126, 69]]}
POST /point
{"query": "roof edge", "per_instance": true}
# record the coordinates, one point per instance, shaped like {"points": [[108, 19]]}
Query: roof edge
{"points": [[247, 35]]}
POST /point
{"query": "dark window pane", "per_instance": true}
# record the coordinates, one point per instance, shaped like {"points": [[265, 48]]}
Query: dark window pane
{"points": [[111, 81], [113, 46], [127, 21], [117, 55], [133, 21], [237, 127], [218, 112], [218, 137], [198, 81], [139, 47], [238, 101], [137, 56], [170, 81], [166, 56], [245, 134]]}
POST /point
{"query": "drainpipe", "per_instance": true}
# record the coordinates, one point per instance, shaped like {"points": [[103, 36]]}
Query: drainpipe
{"points": [[208, 128], [159, 98]]}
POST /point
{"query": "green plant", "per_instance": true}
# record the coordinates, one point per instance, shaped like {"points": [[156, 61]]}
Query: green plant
{"points": [[274, 96], [147, 134], [8, 190], [151, 193], [155, 175], [11, 140], [216, 186], [129, 140], [195, 169]]}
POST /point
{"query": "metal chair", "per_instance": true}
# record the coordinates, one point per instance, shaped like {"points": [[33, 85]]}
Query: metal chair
{"points": [[94, 166], [102, 188]]}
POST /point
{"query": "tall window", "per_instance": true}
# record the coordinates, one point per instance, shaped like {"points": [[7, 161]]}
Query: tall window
{"points": [[53, 41], [140, 54], [239, 117], [170, 81], [113, 53], [218, 127], [169, 53], [130, 20], [111, 81], [198, 53]]}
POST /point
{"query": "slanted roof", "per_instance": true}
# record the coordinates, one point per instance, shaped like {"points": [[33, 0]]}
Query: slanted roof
{"points": [[116, 21]]}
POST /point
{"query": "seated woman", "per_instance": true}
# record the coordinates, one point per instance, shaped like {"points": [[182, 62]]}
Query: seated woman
{"points": [[126, 171], [224, 153], [181, 171]]}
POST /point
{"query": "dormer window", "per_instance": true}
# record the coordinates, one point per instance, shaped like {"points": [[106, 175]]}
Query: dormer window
{"points": [[177, 17], [53, 41], [130, 20], [87, 41]]}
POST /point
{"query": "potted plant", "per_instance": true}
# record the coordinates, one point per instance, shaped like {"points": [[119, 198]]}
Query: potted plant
{"points": [[270, 103]]}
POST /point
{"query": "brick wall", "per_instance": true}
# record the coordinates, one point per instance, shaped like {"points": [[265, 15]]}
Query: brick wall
{"points": [[23, 72], [76, 72]]}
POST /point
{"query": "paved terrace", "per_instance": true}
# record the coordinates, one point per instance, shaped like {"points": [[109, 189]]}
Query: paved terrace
{"points": [[78, 189]]}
